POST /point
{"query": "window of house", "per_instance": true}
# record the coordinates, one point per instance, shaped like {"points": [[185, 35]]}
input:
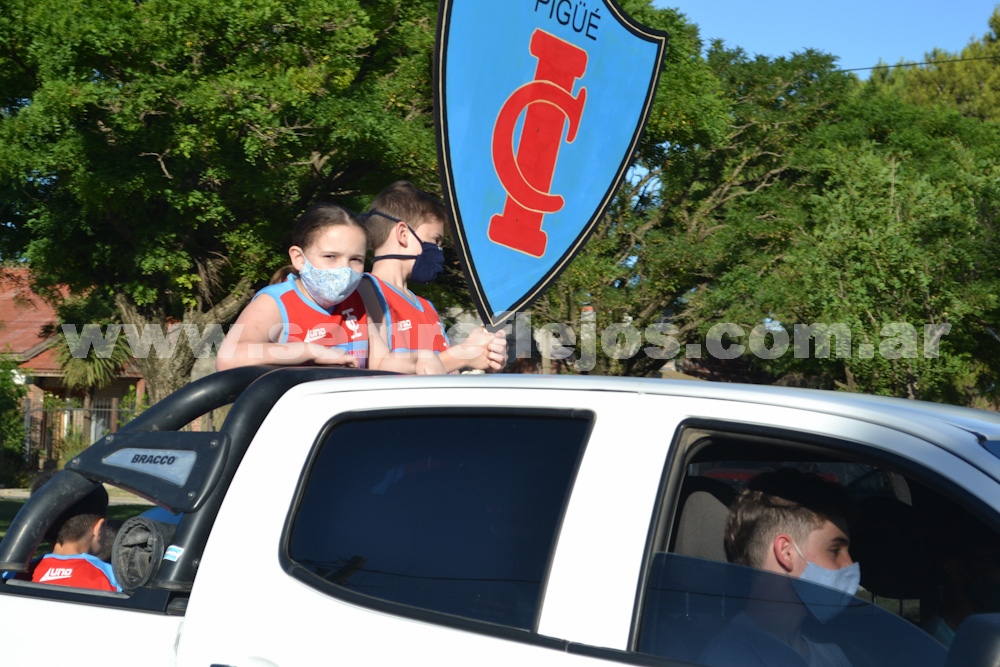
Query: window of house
{"points": [[454, 513]]}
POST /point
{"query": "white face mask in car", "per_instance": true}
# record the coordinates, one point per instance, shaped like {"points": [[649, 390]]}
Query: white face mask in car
{"points": [[835, 591]]}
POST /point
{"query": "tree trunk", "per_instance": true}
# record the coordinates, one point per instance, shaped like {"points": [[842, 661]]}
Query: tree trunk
{"points": [[88, 414], [164, 376]]}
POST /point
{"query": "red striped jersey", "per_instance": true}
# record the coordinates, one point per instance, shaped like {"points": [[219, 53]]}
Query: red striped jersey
{"points": [[78, 571], [304, 321], [411, 321]]}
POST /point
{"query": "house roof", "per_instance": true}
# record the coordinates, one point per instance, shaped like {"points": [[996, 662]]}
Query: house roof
{"points": [[43, 363], [23, 314]]}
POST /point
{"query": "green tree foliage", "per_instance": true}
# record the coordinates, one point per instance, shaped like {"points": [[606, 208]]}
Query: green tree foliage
{"points": [[680, 224], [969, 80], [894, 230], [101, 365], [819, 202], [11, 420], [156, 153]]}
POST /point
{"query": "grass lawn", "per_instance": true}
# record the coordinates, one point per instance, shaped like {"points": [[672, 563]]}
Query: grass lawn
{"points": [[8, 508]]}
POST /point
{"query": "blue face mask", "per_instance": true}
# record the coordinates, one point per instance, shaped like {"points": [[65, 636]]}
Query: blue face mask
{"points": [[328, 287], [427, 266], [429, 263], [835, 591]]}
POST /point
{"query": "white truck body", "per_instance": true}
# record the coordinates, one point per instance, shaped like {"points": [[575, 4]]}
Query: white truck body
{"points": [[244, 608]]}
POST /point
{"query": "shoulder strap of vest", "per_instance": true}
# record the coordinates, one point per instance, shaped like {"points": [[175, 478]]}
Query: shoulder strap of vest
{"points": [[383, 303]]}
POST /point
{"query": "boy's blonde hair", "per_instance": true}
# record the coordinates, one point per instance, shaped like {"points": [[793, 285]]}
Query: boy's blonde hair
{"points": [[401, 201]]}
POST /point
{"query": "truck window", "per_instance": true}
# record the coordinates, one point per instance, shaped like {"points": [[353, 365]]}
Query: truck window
{"points": [[916, 546], [434, 512]]}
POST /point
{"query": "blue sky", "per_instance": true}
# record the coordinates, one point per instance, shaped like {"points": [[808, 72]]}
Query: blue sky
{"points": [[859, 32]]}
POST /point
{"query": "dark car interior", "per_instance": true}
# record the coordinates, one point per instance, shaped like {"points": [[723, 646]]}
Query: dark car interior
{"points": [[909, 532]]}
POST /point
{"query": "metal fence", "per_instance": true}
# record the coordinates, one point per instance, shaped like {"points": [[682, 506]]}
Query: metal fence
{"points": [[56, 434]]}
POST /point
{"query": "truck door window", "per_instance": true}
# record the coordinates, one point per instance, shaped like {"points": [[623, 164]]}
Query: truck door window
{"points": [[451, 513], [695, 600]]}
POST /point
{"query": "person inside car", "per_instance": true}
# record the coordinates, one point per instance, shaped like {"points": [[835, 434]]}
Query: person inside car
{"points": [[77, 538], [793, 525]]}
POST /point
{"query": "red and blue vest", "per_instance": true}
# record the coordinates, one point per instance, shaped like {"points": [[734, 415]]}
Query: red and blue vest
{"points": [[79, 571], [411, 321], [304, 321]]}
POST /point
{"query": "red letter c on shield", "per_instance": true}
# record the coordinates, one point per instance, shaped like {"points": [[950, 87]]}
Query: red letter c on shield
{"points": [[513, 174], [547, 103]]}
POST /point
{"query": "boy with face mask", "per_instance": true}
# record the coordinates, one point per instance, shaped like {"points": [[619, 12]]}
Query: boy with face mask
{"points": [[793, 525], [406, 231]]}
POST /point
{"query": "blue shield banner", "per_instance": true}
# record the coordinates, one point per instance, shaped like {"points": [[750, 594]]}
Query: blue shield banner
{"points": [[540, 106]]}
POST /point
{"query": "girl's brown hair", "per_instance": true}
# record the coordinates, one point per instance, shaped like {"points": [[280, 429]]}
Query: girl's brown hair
{"points": [[318, 217]]}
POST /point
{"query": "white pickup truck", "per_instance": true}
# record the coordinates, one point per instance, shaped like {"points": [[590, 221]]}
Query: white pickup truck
{"points": [[349, 519]]}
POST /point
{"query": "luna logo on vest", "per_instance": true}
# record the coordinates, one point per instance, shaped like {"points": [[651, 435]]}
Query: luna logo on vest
{"points": [[314, 334]]}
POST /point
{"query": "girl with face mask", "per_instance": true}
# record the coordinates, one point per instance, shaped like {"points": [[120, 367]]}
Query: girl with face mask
{"points": [[315, 315]]}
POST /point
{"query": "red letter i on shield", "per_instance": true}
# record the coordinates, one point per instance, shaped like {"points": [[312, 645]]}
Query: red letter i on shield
{"points": [[527, 175]]}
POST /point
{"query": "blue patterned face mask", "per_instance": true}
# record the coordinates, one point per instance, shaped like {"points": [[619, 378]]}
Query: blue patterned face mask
{"points": [[328, 287], [839, 587]]}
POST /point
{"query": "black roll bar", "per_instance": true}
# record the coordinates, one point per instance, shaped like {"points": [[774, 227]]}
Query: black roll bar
{"points": [[252, 390], [37, 514], [245, 417]]}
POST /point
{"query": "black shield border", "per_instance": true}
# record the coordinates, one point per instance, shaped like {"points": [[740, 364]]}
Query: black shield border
{"points": [[495, 321]]}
